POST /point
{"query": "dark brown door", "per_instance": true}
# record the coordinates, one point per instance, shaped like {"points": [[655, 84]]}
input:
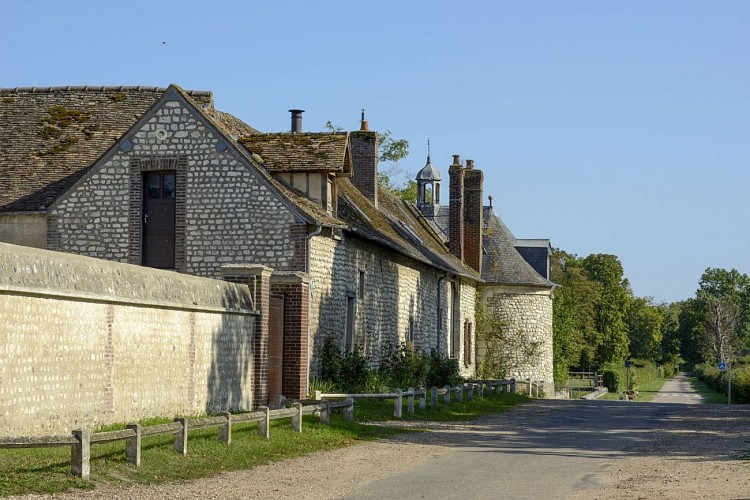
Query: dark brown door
{"points": [[275, 348], [159, 219]]}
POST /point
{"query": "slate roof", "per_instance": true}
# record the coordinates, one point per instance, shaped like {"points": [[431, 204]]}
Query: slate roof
{"points": [[398, 225], [49, 137], [428, 172], [502, 263], [301, 152]]}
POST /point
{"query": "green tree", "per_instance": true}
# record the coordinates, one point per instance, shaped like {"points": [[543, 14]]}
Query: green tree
{"points": [[670, 333], [575, 337], [644, 322], [610, 310]]}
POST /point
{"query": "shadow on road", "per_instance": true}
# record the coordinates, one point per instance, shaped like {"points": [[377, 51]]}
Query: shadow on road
{"points": [[602, 428]]}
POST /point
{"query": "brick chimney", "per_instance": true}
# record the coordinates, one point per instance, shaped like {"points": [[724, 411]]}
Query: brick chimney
{"points": [[473, 185], [364, 150], [456, 208]]}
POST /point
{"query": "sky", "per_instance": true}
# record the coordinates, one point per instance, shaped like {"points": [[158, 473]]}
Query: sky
{"points": [[607, 127]]}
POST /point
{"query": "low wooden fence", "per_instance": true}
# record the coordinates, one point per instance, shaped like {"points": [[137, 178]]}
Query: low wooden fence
{"points": [[81, 440], [470, 387]]}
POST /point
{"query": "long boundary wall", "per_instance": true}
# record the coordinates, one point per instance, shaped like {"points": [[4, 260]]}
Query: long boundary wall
{"points": [[86, 342]]}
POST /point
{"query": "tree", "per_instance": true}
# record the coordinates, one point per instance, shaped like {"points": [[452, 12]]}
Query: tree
{"points": [[391, 176], [721, 337], [716, 322], [575, 338], [610, 322], [644, 322]]}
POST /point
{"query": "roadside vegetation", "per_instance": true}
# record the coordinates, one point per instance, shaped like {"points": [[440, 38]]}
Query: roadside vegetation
{"points": [[598, 324]]}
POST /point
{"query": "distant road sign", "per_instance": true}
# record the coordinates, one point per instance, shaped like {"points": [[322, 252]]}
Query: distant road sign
{"points": [[628, 363], [722, 366]]}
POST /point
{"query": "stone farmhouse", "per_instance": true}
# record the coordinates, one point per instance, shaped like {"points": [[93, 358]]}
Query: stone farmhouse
{"points": [[159, 178]]}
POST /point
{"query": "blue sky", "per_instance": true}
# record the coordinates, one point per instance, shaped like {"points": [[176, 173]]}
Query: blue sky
{"points": [[608, 127]]}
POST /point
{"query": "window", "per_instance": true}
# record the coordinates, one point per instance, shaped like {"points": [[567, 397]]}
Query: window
{"points": [[467, 343], [350, 310], [361, 284]]}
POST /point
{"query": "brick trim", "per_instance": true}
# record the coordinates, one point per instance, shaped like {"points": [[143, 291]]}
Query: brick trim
{"points": [[139, 165]]}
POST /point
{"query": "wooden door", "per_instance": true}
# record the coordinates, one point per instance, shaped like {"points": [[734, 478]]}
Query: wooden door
{"points": [[159, 194], [275, 348]]}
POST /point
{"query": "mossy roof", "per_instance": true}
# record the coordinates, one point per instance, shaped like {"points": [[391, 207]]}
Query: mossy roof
{"points": [[398, 225], [301, 152], [51, 136]]}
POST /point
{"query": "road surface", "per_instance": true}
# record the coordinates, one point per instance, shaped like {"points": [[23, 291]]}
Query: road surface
{"points": [[542, 450]]}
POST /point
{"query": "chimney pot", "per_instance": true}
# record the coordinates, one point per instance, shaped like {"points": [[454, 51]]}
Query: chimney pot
{"points": [[469, 163], [296, 119], [456, 161]]}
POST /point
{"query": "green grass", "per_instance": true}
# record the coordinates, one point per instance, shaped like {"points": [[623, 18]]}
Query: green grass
{"points": [[710, 396], [47, 470]]}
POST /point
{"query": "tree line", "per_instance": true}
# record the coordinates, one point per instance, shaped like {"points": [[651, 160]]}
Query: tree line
{"points": [[598, 321]]}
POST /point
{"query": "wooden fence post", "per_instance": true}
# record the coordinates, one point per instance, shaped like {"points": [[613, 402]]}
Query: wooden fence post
{"points": [[398, 404], [318, 395], [297, 419], [423, 398], [181, 436], [433, 397], [349, 410], [410, 400], [471, 392], [460, 393], [447, 397], [264, 426], [133, 446], [80, 454], [325, 415], [225, 431]]}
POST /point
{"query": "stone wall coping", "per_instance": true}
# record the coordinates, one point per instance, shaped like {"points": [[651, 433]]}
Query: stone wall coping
{"points": [[289, 277], [44, 273], [118, 300], [245, 270], [489, 289]]}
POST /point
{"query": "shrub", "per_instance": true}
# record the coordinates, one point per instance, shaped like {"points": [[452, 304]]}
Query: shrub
{"points": [[403, 368], [442, 371], [611, 380], [349, 372]]}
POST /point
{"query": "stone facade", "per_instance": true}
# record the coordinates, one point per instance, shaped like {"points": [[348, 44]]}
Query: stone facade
{"points": [[396, 296], [527, 312], [85, 343], [228, 214]]}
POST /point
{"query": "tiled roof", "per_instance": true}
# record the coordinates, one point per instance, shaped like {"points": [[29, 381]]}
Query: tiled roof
{"points": [[502, 263], [50, 136], [398, 225], [300, 152]]}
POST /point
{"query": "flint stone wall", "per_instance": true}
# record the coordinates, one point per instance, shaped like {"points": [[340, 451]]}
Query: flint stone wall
{"points": [[397, 290], [528, 316], [85, 342], [230, 215]]}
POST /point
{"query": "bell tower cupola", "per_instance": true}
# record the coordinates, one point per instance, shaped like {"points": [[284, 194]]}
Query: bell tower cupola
{"points": [[428, 188]]}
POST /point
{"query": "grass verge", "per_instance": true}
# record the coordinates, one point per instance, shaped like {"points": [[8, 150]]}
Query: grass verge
{"points": [[710, 396], [47, 470]]}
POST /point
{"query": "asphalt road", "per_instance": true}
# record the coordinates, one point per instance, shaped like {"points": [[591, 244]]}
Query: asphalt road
{"points": [[562, 452]]}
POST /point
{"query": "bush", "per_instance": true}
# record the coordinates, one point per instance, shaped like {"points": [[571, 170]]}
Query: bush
{"points": [[719, 380], [442, 370], [349, 372], [403, 368], [611, 380]]}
